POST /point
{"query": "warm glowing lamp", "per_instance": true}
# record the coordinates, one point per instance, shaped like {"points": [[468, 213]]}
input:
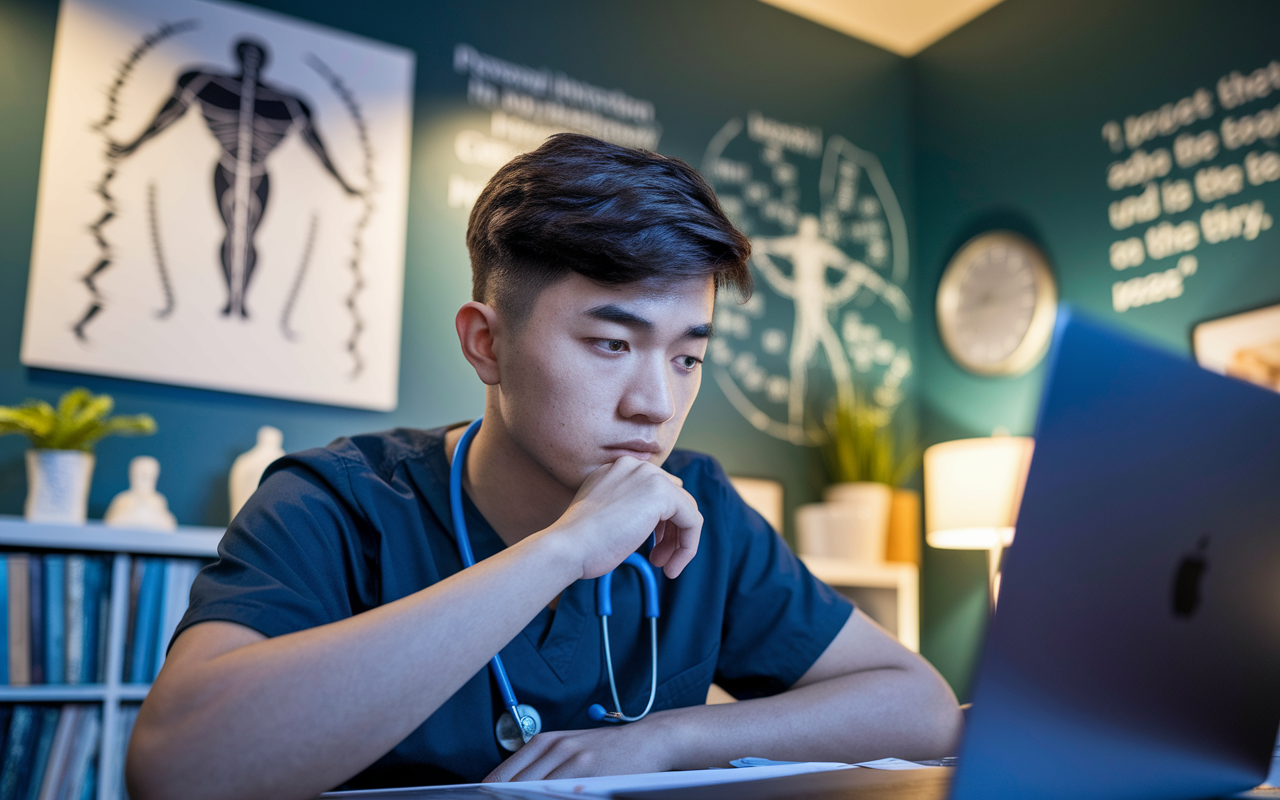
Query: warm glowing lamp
{"points": [[972, 490]]}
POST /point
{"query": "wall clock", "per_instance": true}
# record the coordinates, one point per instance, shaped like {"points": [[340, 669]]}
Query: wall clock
{"points": [[997, 302]]}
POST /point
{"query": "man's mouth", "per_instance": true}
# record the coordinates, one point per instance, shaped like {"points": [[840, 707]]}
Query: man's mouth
{"points": [[636, 448]]}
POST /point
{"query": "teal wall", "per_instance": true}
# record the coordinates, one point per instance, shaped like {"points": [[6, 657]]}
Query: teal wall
{"points": [[998, 125], [1009, 112], [699, 63]]}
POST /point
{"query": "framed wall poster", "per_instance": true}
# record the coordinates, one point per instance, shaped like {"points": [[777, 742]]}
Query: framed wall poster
{"points": [[1244, 345], [222, 202]]}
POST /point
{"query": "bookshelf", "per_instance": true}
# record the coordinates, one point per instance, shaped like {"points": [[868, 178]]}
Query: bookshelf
{"points": [[16, 534], [865, 582]]}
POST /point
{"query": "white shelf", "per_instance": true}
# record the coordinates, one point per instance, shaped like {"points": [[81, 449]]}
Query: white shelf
{"points": [[903, 578], [839, 572], [71, 693], [192, 541]]}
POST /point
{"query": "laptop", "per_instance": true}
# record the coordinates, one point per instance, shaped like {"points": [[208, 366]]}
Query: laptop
{"points": [[1136, 649]]}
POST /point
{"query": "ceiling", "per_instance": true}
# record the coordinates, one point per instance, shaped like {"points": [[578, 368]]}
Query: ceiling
{"points": [[904, 27]]}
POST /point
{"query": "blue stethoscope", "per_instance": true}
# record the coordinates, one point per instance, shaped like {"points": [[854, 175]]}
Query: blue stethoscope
{"points": [[521, 722]]}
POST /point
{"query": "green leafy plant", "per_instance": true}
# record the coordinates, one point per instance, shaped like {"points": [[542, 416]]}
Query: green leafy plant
{"points": [[78, 423], [866, 442]]}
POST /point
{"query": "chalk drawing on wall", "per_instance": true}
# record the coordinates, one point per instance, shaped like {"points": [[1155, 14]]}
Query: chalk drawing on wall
{"points": [[222, 203], [830, 256]]}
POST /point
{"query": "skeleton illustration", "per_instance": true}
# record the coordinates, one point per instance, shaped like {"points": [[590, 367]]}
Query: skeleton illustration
{"points": [[249, 118]]}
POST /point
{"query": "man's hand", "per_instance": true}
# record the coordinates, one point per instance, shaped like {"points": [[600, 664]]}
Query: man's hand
{"points": [[618, 506], [627, 749]]}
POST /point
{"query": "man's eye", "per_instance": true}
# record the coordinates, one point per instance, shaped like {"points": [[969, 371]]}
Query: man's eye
{"points": [[689, 362], [615, 345]]}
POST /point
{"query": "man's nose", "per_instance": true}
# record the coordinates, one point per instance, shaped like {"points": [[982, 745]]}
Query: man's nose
{"points": [[648, 393]]}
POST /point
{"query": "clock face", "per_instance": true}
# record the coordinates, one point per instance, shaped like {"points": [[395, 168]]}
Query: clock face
{"points": [[996, 304]]}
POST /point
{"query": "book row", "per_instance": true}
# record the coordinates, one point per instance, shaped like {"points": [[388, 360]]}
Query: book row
{"points": [[57, 607], [49, 752], [55, 613], [159, 593]]}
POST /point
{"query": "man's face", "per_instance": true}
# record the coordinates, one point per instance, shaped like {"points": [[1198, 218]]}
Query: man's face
{"points": [[598, 372]]}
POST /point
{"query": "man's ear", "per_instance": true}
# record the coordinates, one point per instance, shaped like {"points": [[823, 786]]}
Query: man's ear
{"points": [[478, 327]]}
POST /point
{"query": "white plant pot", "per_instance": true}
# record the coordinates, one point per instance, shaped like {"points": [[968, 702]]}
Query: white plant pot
{"points": [[58, 486], [858, 520]]}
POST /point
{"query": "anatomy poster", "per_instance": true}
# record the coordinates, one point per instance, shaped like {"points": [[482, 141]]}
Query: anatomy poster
{"points": [[222, 202]]}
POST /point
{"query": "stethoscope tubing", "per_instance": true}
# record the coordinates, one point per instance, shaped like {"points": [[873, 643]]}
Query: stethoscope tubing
{"points": [[604, 607], [468, 557], [653, 670]]}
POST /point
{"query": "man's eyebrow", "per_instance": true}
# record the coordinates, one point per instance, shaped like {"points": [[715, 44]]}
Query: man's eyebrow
{"points": [[619, 315], [612, 313]]}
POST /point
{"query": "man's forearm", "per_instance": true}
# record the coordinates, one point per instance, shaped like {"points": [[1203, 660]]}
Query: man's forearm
{"points": [[901, 712], [295, 715]]}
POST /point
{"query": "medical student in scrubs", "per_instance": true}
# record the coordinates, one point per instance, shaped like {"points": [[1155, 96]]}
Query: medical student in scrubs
{"points": [[339, 642]]}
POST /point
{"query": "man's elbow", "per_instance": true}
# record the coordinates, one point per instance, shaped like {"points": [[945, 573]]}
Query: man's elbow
{"points": [[144, 766], [939, 720], [943, 730], [158, 762]]}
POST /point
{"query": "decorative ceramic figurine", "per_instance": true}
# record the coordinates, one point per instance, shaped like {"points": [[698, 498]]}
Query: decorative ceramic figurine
{"points": [[248, 467], [141, 506]]}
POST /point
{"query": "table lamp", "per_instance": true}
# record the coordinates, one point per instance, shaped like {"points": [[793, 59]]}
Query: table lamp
{"points": [[972, 491]]}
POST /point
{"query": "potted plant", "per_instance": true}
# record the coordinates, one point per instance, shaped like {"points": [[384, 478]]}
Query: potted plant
{"points": [[870, 453], [60, 461]]}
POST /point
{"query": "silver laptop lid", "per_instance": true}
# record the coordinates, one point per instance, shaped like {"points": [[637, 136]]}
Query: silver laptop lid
{"points": [[1136, 649]]}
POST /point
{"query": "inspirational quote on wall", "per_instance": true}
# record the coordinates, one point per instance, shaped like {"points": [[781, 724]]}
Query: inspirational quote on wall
{"points": [[1158, 179]]}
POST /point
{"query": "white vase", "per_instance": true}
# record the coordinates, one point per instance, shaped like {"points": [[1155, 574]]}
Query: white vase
{"points": [[858, 520], [247, 469], [58, 486]]}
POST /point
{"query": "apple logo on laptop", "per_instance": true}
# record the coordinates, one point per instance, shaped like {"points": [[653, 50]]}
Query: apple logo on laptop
{"points": [[1186, 582]]}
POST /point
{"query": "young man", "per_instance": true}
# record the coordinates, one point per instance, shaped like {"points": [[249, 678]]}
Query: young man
{"points": [[340, 641]]}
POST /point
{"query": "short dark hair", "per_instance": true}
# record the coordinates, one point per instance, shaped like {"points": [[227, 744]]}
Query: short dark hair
{"points": [[609, 213]]}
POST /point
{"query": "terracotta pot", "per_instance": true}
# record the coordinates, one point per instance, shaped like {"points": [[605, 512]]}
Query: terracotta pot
{"points": [[903, 543], [58, 486]]}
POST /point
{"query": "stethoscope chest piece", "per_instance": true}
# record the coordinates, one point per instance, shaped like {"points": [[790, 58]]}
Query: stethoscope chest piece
{"points": [[511, 736]]}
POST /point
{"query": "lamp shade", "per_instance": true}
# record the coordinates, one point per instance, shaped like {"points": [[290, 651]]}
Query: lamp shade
{"points": [[972, 490]]}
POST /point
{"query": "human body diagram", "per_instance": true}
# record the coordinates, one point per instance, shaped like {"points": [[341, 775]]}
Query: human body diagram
{"points": [[815, 298], [249, 119]]}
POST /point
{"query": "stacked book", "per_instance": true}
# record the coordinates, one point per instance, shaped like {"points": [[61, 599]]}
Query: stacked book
{"points": [[55, 616], [56, 607], [159, 592], [47, 752]]}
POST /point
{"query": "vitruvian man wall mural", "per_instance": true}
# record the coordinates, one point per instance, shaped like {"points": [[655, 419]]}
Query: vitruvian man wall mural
{"points": [[829, 252], [222, 202]]}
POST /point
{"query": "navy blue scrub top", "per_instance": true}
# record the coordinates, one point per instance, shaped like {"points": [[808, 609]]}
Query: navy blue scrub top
{"points": [[335, 531]]}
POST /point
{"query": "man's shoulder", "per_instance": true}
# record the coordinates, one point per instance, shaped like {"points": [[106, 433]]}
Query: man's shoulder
{"points": [[702, 474], [381, 453]]}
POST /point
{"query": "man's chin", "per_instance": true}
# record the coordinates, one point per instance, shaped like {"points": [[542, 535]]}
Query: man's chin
{"points": [[609, 456]]}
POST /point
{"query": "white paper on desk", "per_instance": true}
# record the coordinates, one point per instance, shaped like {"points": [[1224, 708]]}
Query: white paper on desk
{"points": [[592, 787], [891, 764]]}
